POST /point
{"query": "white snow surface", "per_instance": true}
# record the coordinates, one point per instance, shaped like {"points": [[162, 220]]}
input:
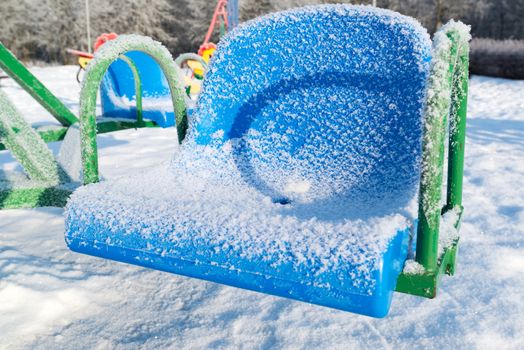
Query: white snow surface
{"points": [[53, 298]]}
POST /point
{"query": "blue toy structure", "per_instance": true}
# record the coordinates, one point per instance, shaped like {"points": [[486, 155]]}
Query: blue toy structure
{"points": [[118, 92], [300, 167]]}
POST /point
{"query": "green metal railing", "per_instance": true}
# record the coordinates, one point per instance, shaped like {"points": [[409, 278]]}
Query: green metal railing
{"points": [[109, 53], [138, 88], [446, 105]]}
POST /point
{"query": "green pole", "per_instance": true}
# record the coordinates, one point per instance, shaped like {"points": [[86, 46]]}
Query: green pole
{"points": [[433, 145], [447, 95], [26, 145], [446, 104], [457, 132], [138, 88], [16, 70]]}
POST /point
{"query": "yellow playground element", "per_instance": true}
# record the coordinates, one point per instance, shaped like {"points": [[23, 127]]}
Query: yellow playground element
{"points": [[196, 67], [193, 85], [83, 61], [207, 51]]}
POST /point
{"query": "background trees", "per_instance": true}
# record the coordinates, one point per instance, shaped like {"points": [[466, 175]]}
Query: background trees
{"points": [[42, 29]]}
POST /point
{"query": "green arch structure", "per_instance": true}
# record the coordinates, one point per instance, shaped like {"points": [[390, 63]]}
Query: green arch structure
{"points": [[107, 54]]}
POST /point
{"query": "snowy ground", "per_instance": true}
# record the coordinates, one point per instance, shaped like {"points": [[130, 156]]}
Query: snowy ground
{"points": [[53, 298]]}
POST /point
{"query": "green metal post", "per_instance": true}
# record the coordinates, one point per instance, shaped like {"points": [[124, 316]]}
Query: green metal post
{"points": [[16, 70], [457, 131], [446, 99], [138, 88], [96, 70], [437, 109]]}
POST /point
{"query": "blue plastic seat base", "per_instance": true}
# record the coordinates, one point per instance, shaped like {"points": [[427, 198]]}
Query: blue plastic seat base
{"points": [[371, 305], [152, 221]]}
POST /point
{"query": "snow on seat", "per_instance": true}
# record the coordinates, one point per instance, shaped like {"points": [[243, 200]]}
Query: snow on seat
{"points": [[300, 169]]}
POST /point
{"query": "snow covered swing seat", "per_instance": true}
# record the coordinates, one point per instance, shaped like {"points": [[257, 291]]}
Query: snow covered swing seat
{"points": [[299, 171]]}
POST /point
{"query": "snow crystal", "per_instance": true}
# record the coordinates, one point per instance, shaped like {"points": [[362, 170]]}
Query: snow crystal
{"points": [[448, 232], [412, 267]]}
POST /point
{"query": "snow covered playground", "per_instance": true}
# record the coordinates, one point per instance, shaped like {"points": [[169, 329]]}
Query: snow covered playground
{"points": [[326, 177]]}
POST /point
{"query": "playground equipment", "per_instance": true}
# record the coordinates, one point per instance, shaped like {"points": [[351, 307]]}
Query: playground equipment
{"points": [[45, 182], [193, 67], [117, 90], [129, 79], [119, 93], [297, 172], [225, 17]]}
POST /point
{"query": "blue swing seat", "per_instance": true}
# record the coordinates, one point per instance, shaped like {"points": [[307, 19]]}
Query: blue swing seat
{"points": [[299, 173]]}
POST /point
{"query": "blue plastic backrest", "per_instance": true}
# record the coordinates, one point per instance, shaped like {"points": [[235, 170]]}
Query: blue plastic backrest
{"points": [[320, 101]]}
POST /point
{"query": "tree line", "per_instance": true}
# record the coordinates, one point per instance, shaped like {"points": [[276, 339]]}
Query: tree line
{"points": [[42, 29]]}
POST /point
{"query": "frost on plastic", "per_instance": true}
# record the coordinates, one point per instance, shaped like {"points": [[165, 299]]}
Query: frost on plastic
{"points": [[323, 103], [412, 267], [303, 155]]}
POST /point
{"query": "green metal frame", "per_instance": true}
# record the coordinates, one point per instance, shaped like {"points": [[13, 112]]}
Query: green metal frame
{"points": [[18, 137], [449, 87], [39, 196], [45, 177]]}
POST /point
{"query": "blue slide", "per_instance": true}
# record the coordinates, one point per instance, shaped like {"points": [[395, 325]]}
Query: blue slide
{"points": [[117, 91]]}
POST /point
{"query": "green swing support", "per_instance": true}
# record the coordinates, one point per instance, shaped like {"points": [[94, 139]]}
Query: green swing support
{"points": [[446, 112]]}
